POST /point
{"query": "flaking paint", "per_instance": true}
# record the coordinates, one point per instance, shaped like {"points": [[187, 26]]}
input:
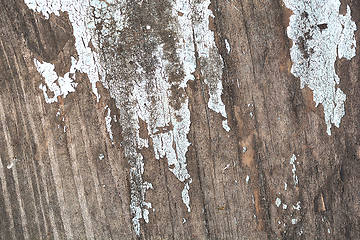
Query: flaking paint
{"points": [[320, 34]]}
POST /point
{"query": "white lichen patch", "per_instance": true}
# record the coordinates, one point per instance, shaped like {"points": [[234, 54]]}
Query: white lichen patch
{"points": [[320, 35], [78, 11], [59, 86]]}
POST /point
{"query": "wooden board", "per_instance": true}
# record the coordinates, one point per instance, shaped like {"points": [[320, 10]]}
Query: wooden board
{"points": [[273, 172]]}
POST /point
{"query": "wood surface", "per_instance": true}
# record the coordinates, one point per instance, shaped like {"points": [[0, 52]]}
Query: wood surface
{"points": [[58, 187]]}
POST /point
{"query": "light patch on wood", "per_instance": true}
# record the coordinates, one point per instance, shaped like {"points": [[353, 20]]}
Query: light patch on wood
{"points": [[297, 206], [64, 86], [227, 45], [278, 202], [78, 10], [292, 162], [211, 62], [138, 78], [108, 120], [320, 34]]}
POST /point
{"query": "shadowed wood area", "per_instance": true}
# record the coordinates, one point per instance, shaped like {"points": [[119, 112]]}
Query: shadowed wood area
{"points": [[178, 119]]}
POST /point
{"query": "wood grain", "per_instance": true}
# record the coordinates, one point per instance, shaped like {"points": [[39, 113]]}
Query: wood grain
{"points": [[57, 187]]}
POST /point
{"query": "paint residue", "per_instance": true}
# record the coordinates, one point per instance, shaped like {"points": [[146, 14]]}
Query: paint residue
{"points": [[297, 206], [108, 120], [146, 79], [292, 162], [278, 202], [211, 61], [78, 10], [227, 45], [320, 35], [59, 86]]}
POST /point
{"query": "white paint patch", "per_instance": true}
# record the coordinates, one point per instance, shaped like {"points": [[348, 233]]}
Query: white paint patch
{"points": [[210, 60], [59, 86], [227, 44], [108, 120], [244, 149], [78, 10], [297, 206], [184, 220], [247, 179], [284, 206], [292, 162], [172, 141], [149, 97], [101, 156], [227, 166], [12, 163], [278, 202], [294, 221], [320, 35], [285, 186]]}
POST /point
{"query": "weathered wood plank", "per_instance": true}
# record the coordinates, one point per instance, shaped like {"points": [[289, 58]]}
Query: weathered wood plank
{"points": [[175, 119]]}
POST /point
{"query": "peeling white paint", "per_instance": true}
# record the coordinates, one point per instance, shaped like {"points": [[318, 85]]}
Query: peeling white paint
{"points": [[285, 186], [210, 60], [78, 10], [227, 44], [247, 179], [226, 167], [294, 221], [146, 97], [320, 35], [278, 202], [101, 156], [12, 163], [108, 120], [297, 206], [292, 162], [59, 86]]}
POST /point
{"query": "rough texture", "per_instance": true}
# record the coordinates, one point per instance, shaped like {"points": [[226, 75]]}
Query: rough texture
{"points": [[174, 119]]}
